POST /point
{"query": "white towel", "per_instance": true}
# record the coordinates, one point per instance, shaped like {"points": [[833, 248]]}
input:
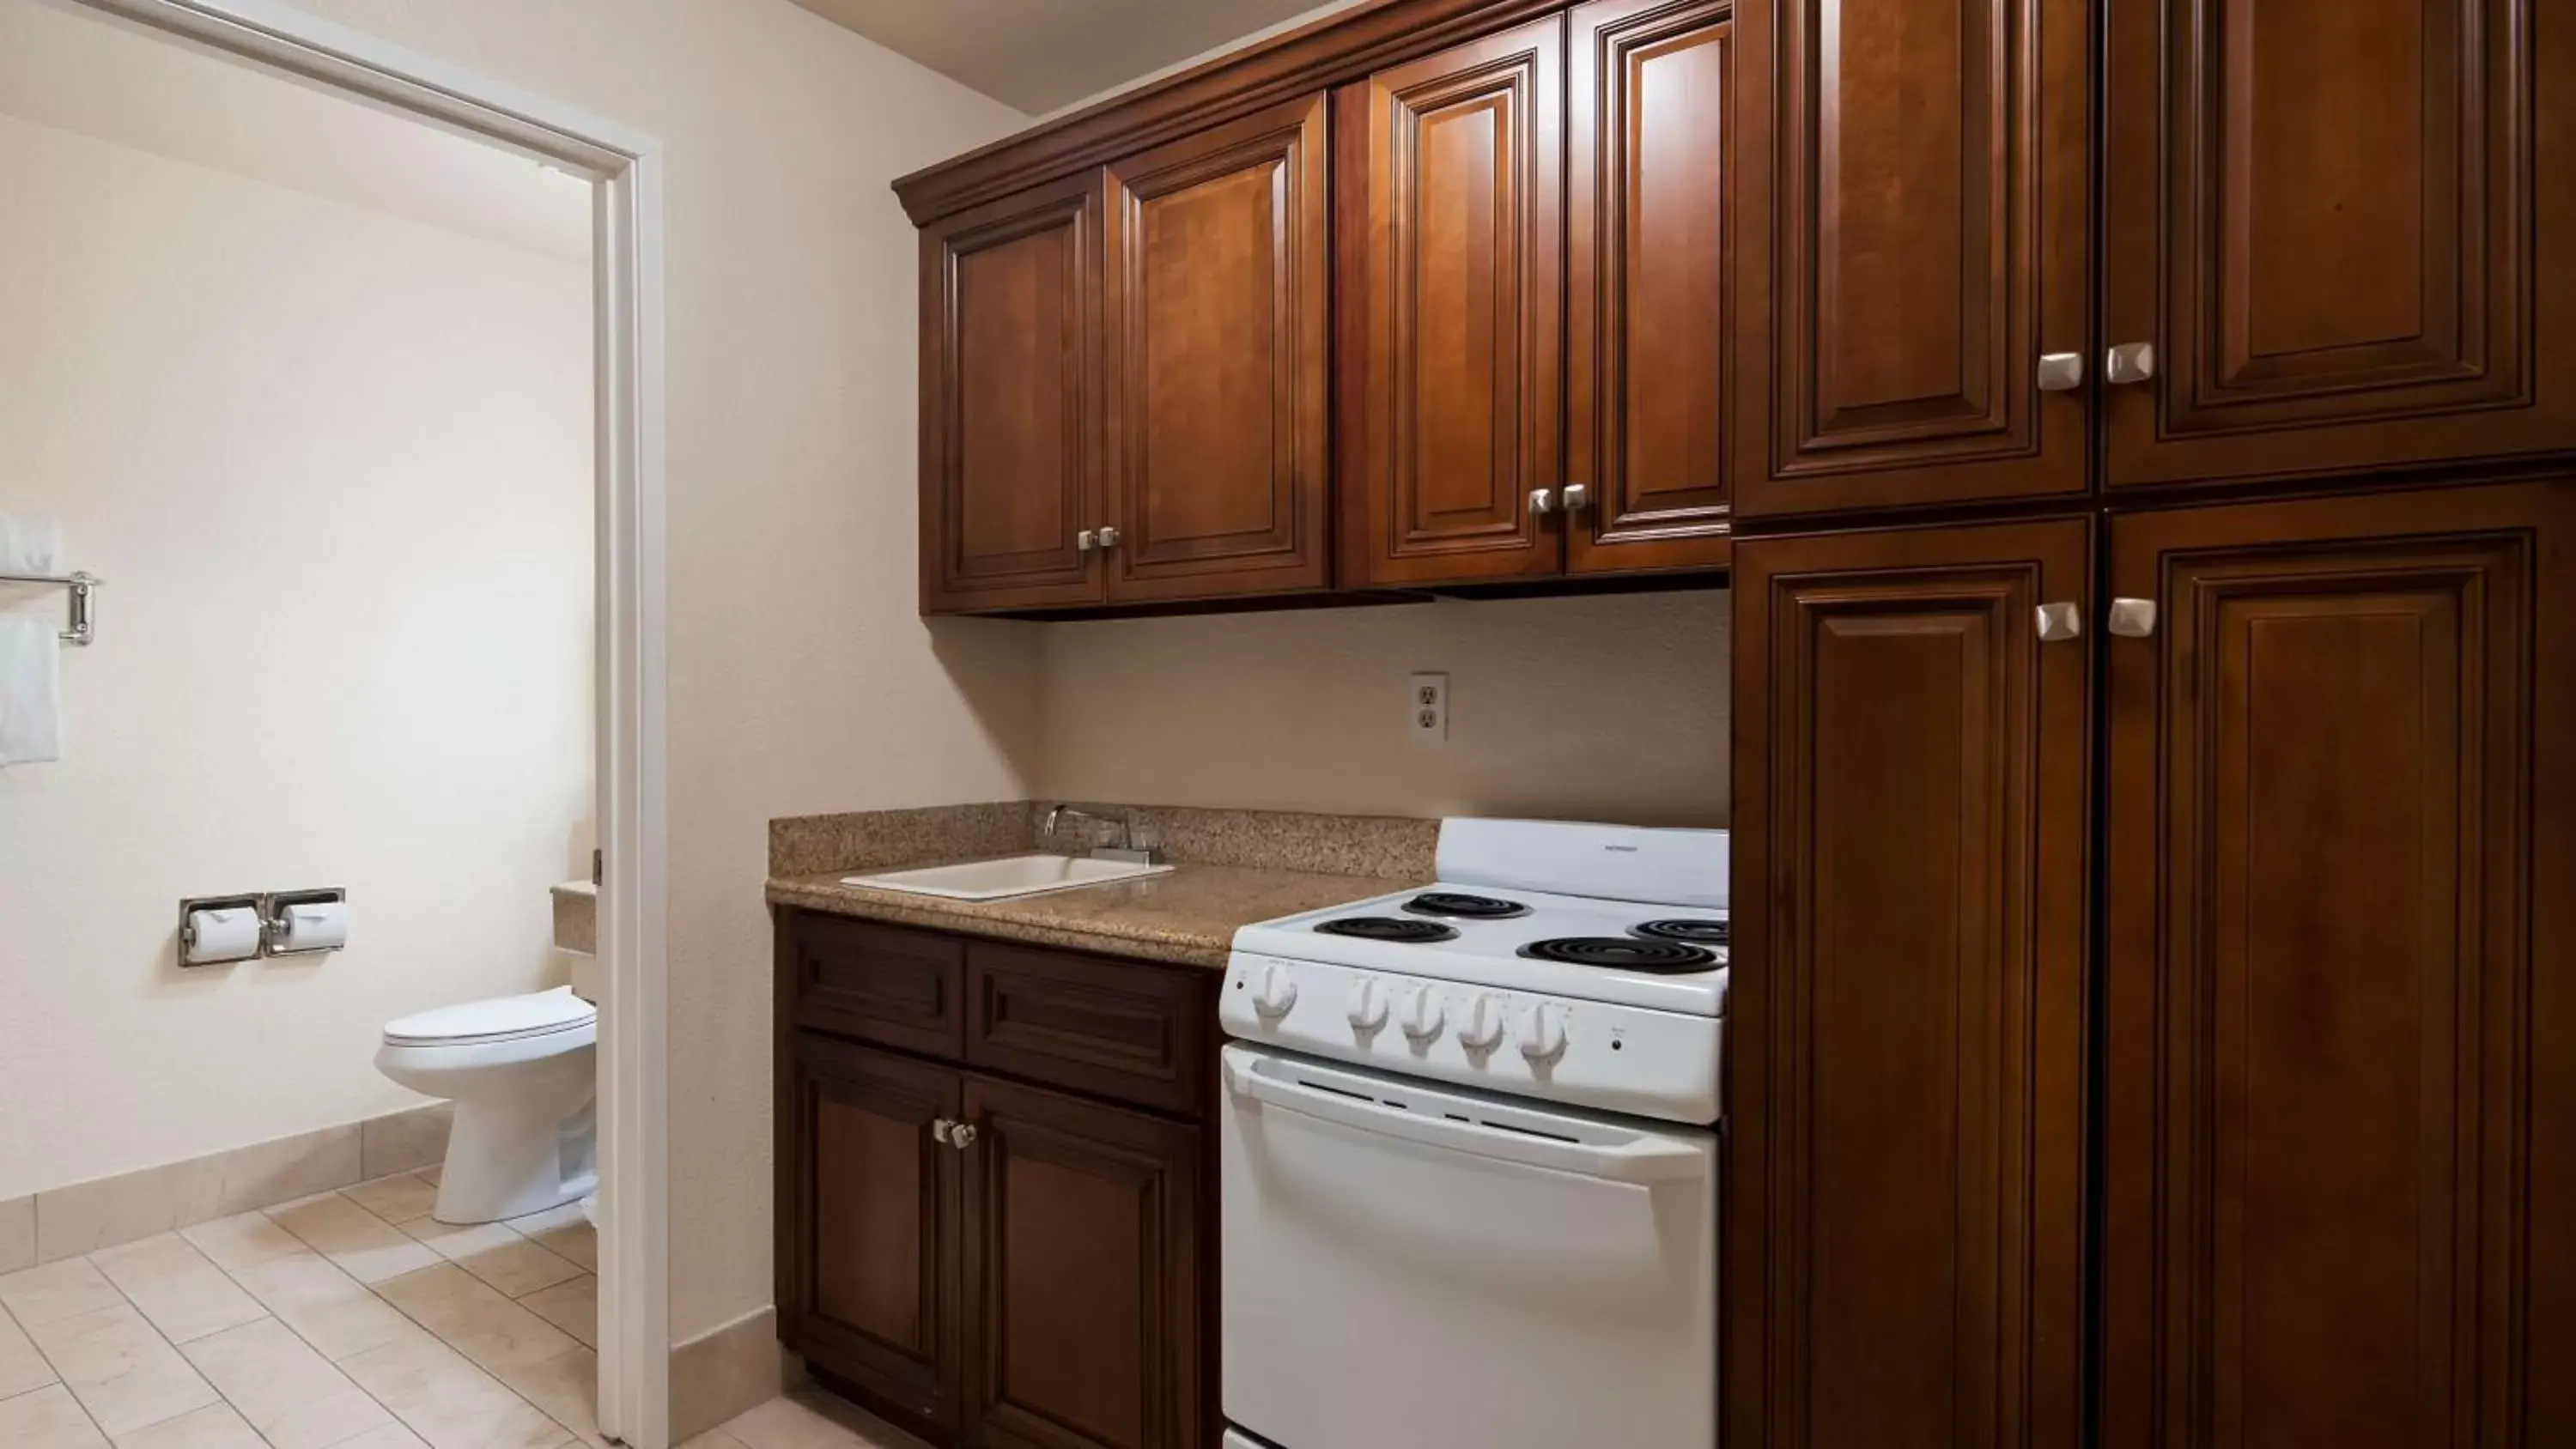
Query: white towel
{"points": [[31, 650], [31, 689]]}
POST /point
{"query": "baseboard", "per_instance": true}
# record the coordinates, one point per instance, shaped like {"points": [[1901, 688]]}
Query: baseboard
{"points": [[66, 1222], [726, 1372]]}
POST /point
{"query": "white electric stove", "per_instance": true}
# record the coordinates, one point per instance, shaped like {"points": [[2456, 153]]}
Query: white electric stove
{"points": [[1469, 1158]]}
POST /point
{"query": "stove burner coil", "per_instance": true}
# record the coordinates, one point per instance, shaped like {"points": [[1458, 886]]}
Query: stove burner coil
{"points": [[1465, 907], [1688, 932], [1388, 928], [1620, 953]]}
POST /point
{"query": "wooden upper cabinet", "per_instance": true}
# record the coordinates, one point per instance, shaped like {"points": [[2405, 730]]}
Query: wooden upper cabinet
{"points": [[2341, 986], [1219, 258], [2344, 226], [1916, 189], [1082, 1273], [1649, 222], [1010, 405], [867, 1252], [1452, 355], [1907, 1021]]}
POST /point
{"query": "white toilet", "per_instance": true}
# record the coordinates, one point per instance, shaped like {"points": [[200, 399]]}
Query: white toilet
{"points": [[520, 1070]]}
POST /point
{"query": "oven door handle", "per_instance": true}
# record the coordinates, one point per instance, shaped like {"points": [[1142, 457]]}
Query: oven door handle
{"points": [[1642, 1160]]}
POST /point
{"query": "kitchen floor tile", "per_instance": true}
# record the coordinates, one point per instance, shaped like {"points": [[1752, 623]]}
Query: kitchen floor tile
{"points": [[243, 1241], [475, 1319], [122, 1370], [331, 1310], [391, 1436], [289, 1393], [363, 1245], [450, 1402], [56, 1291], [397, 1199], [495, 1254], [22, 1369], [566, 1387], [808, 1419], [572, 1307], [49, 1418], [215, 1426], [179, 1290]]}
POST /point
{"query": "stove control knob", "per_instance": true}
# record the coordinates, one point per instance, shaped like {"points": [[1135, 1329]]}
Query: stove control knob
{"points": [[1278, 993], [1368, 1005], [1542, 1034], [1423, 1015], [1482, 1031]]}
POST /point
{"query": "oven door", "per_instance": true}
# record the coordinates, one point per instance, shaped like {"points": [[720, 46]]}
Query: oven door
{"points": [[1419, 1267]]}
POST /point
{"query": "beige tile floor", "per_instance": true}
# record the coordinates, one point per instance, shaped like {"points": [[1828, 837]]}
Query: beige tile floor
{"points": [[350, 1320]]}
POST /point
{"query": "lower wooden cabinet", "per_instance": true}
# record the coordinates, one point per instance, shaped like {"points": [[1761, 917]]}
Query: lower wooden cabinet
{"points": [[1012, 1264], [1906, 1018], [2340, 1105]]}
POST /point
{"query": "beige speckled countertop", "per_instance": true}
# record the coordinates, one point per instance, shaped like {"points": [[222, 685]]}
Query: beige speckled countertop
{"points": [[1231, 868], [1187, 917]]}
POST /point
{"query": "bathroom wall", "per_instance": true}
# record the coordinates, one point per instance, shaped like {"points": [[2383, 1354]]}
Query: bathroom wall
{"points": [[1609, 707], [335, 464], [800, 678]]}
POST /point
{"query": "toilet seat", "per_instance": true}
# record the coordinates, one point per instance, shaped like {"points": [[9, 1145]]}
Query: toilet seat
{"points": [[499, 1019]]}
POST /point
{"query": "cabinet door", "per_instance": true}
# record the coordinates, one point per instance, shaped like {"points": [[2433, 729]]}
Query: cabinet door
{"points": [[1453, 357], [1082, 1272], [2341, 989], [1010, 402], [1219, 302], [1916, 189], [867, 1255], [1906, 1032], [2344, 226], [1649, 177]]}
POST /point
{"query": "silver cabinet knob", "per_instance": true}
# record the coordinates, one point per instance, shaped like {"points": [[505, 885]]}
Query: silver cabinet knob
{"points": [[2061, 371], [1542, 500], [962, 1136], [1578, 497], [1109, 538], [1087, 540], [2132, 618], [2130, 362], [2059, 622], [940, 1131]]}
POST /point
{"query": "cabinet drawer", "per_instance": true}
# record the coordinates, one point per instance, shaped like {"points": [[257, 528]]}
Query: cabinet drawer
{"points": [[1089, 1023], [876, 983]]}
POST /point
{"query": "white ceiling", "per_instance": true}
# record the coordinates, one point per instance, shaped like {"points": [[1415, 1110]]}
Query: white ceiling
{"points": [[1041, 55], [76, 71]]}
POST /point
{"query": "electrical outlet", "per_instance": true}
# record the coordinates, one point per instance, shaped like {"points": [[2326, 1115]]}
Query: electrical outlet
{"points": [[1428, 705]]}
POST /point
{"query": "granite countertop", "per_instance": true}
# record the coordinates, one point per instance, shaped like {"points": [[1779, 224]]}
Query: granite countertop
{"points": [[1187, 917]]}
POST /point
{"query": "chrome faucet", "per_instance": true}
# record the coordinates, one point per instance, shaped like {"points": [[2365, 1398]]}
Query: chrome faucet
{"points": [[1125, 849]]}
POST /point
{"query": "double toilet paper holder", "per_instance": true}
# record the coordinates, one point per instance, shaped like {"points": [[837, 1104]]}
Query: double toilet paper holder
{"points": [[220, 930]]}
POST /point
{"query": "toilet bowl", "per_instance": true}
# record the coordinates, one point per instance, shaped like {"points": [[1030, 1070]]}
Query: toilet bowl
{"points": [[520, 1071]]}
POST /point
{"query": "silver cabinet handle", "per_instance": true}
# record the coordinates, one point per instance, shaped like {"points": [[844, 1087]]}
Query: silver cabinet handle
{"points": [[2129, 362], [1086, 541], [2059, 622], [1109, 538], [940, 1130], [962, 1136], [2061, 371], [1578, 497], [2132, 618], [1542, 500]]}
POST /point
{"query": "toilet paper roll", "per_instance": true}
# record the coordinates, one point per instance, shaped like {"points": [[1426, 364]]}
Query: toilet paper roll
{"points": [[221, 935], [313, 926]]}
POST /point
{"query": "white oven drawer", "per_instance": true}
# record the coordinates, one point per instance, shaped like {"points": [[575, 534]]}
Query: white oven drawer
{"points": [[1424, 1267]]}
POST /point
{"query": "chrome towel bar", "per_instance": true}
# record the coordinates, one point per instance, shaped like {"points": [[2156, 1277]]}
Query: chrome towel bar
{"points": [[84, 627]]}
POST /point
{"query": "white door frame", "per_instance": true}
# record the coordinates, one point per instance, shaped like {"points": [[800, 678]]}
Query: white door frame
{"points": [[625, 168]]}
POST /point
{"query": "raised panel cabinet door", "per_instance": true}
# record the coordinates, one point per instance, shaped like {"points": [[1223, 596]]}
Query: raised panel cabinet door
{"points": [[1011, 402], [1082, 1272], [2343, 226], [1452, 357], [1915, 187], [1906, 1036], [2340, 1062], [868, 1255], [1650, 84], [1219, 310]]}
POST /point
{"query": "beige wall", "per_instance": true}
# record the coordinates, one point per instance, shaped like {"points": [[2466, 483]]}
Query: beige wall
{"points": [[252, 408], [800, 679], [1599, 708]]}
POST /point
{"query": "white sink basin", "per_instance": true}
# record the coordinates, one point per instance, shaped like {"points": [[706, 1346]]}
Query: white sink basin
{"points": [[1018, 875]]}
